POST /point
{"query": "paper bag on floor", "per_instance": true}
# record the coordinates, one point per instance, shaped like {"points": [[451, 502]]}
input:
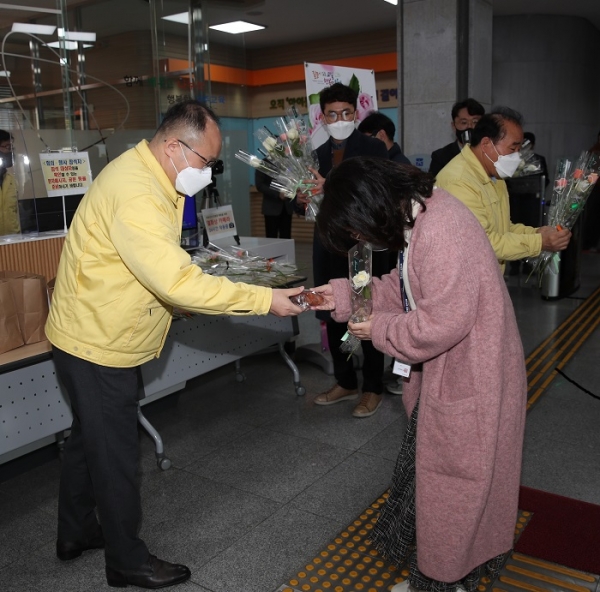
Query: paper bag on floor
{"points": [[31, 299], [10, 332]]}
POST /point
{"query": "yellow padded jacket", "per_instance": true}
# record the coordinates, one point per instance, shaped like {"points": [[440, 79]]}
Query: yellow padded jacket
{"points": [[122, 270], [466, 179], [9, 206]]}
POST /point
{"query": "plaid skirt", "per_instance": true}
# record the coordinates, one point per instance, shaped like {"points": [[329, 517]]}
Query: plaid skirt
{"points": [[394, 534]]}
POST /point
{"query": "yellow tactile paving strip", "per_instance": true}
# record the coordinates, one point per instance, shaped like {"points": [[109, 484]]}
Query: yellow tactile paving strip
{"points": [[350, 564], [555, 351]]}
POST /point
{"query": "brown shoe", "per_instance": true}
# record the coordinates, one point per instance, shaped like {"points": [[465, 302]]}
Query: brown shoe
{"points": [[368, 405], [336, 394]]}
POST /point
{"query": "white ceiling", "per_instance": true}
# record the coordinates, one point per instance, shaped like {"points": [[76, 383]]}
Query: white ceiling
{"points": [[287, 21]]}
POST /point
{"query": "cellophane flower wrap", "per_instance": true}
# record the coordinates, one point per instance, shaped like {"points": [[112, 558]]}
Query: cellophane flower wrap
{"points": [[573, 183], [361, 281], [530, 163], [287, 157], [240, 265]]}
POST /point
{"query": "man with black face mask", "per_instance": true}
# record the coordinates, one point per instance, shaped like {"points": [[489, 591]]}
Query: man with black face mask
{"points": [[465, 115], [338, 105], [9, 204]]}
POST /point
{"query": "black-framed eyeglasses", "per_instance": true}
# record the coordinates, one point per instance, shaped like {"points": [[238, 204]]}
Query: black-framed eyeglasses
{"points": [[209, 163], [344, 115]]}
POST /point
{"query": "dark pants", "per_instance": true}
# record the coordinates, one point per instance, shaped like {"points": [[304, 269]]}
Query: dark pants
{"points": [[279, 226], [343, 368], [100, 461]]}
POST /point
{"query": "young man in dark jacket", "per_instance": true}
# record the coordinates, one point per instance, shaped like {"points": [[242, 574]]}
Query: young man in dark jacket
{"points": [[338, 104]]}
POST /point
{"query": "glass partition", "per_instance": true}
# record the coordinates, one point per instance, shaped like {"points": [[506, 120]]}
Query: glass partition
{"points": [[105, 83]]}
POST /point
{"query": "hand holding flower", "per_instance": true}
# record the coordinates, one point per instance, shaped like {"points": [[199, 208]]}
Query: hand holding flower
{"points": [[361, 330], [554, 240]]}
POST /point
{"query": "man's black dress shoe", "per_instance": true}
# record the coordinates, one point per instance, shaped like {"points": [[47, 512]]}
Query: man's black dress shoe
{"points": [[66, 550], [155, 573]]}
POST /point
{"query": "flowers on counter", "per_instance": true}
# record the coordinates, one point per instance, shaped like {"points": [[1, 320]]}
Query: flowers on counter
{"points": [[572, 187], [240, 265]]}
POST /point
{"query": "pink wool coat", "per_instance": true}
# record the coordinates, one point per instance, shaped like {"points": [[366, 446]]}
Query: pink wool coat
{"points": [[472, 386]]}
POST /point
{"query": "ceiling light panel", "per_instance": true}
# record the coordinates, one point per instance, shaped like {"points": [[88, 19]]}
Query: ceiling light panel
{"points": [[77, 35], [181, 17], [236, 27], [33, 29]]}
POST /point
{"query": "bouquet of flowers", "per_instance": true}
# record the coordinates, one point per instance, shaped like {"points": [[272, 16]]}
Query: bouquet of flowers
{"points": [[288, 158], [530, 163], [360, 267], [240, 265], [572, 186]]}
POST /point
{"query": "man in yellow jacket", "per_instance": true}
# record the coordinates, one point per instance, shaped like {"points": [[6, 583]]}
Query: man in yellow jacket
{"points": [[121, 272], [475, 176], [9, 204]]}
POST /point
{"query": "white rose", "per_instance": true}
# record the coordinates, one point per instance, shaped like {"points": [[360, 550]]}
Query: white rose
{"points": [[269, 143], [254, 161], [583, 186], [292, 133], [361, 279]]}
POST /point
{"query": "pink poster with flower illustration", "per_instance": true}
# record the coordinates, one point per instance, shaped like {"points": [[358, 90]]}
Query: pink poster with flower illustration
{"points": [[319, 76]]}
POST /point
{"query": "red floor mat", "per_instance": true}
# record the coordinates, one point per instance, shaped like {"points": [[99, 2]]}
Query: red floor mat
{"points": [[562, 530]]}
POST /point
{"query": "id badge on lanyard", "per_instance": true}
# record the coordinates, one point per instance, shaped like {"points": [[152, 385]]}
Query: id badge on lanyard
{"points": [[400, 368]]}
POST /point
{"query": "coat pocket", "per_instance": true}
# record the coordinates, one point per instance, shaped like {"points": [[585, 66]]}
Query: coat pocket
{"points": [[449, 439]]}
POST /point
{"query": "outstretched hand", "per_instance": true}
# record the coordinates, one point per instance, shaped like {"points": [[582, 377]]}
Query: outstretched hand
{"points": [[282, 306], [326, 291]]}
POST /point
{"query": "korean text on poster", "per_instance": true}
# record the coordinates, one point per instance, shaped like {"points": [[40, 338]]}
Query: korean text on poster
{"points": [[66, 173], [219, 222]]}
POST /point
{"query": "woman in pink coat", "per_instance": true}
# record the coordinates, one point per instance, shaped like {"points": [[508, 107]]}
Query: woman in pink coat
{"points": [[452, 508]]}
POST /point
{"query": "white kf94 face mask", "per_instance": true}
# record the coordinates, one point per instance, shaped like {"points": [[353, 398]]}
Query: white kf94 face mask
{"points": [[340, 130], [507, 164], [190, 180]]}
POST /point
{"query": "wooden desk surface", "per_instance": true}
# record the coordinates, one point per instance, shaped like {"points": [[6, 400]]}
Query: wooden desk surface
{"points": [[24, 352]]}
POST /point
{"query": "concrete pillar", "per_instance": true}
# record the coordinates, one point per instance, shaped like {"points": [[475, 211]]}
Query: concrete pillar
{"points": [[447, 57]]}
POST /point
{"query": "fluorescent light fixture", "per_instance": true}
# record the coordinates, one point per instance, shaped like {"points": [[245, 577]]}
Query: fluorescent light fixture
{"points": [[392, 1], [33, 29], [4, 74], [29, 8], [181, 17], [77, 35], [70, 45], [236, 27]]}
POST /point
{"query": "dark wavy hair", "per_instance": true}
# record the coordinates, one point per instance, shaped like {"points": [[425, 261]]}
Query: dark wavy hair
{"points": [[471, 105], [337, 92], [371, 198]]}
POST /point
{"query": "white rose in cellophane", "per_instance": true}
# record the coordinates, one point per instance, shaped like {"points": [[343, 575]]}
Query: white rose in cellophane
{"points": [[361, 279], [269, 144]]}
